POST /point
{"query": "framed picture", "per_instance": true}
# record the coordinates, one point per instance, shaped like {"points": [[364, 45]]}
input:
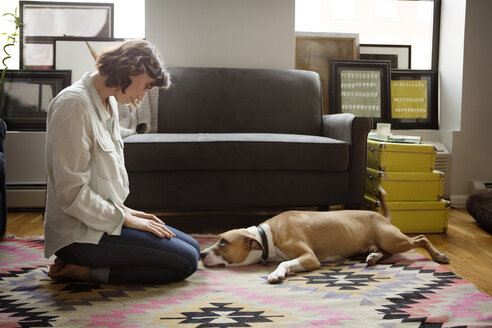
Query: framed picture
{"points": [[400, 56], [360, 87], [42, 22], [83, 49], [414, 99], [26, 96], [314, 51]]}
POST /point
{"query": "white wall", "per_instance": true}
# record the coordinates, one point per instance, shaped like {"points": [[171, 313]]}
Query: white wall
{"points": [[223, 33], [451, 63], [472, 147]]}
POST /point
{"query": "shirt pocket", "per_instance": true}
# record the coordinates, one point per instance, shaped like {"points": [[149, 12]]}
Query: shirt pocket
{"points": [[106, 159]]}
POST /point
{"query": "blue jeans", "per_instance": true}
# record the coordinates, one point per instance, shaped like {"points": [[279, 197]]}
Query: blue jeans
{"points": [[136, 257]]}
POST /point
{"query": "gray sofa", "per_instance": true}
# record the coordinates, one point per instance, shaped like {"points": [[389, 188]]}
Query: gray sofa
{"points": [[246, 139]]}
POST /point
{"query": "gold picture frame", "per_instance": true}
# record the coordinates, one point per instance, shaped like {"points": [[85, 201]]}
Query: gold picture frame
{"points": [[417, 91]]}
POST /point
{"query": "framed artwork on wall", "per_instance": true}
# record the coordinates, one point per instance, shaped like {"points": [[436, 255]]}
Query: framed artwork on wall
{"points": [[42, 22], [360, 87], [414, 99], [400, 56], [26, 95], [315, 50]]}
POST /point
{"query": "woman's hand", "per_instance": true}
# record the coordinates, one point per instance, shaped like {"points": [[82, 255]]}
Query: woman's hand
{"points": [[147, 222]]}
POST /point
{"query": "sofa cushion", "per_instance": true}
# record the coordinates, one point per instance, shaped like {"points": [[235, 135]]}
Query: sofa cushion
{"points": [[234, 151], [234, 100]]}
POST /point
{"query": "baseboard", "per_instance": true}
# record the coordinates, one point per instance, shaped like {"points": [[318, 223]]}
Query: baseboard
{"points": [[458, 201]]}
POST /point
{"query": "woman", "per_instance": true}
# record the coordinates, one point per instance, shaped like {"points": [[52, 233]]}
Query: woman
{"points": [[93, 234]]}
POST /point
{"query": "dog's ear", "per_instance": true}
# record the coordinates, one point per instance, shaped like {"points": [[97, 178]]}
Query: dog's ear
{"points": [[252, 244]]}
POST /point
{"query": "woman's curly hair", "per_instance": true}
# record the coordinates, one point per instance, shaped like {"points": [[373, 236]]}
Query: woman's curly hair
{"points": [[133, 58]]}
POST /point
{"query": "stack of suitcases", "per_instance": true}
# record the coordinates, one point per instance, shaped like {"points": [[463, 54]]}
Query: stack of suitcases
{"points": [[413, 188]]}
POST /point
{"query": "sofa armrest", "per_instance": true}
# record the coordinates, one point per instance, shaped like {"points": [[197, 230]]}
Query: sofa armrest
{"points": [[353, 130]]}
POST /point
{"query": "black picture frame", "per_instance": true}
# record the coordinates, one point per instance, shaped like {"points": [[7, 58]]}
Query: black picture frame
{"points": [[37, 39], [26, 95], [361, 87], [404, 104], [400, 55]]}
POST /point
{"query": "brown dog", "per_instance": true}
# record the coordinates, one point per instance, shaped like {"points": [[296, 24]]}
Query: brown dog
{"points": [[300, 240]]}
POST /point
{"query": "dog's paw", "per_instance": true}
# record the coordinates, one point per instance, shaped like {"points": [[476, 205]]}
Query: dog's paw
{"points": [[373, 258], [276, 276]]}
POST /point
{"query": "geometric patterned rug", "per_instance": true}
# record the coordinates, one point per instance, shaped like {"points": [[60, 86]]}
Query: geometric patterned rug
{"points": [[405, 290]]}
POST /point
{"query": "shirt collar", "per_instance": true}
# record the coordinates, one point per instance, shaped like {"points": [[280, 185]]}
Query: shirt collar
{"points": [[100, 108]]}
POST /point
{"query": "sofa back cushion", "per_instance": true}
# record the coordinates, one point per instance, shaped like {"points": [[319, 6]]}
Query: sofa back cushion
{"points": [[233, 100]]}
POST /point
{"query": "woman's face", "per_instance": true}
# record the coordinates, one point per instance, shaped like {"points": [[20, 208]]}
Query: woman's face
{"points": [[135, 93]]}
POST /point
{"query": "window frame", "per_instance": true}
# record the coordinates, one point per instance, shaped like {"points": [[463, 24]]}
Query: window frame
{"points": [[50, 40]]}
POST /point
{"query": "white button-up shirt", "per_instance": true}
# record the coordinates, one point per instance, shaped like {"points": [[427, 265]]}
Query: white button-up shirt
{"points": [[87, 179]]}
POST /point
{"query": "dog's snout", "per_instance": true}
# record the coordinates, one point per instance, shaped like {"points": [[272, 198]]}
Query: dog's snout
{"points": [[202, 255]]}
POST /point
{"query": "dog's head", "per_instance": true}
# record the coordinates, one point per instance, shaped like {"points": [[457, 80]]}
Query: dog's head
{"points": [[234, 248]]}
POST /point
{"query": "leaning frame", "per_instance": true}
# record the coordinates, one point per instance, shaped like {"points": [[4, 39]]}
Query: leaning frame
{"points": [[421, 98], [360, 87], [26, 95]]}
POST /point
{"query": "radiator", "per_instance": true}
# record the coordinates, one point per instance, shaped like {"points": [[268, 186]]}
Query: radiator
{"points": [[26, 169], [443, 164], [481, 186]]}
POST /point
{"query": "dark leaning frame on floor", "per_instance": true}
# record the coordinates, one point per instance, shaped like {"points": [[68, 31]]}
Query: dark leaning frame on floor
{"points": [[10, 108]]}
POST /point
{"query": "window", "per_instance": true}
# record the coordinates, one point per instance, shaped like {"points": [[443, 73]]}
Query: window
{"points": [[402, 33], [129, 21], [43, 22], [384, 22]]}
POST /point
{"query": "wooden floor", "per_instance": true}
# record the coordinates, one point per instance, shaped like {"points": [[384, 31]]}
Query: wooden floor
{"points": [[468, 246]]}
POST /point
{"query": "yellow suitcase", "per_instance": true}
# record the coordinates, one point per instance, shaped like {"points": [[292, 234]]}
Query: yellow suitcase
{"points": [[406, 186], [399, 157], [415, 217]]}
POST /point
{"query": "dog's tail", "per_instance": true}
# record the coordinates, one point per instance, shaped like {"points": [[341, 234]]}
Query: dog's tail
{"points": [[382, 202]]}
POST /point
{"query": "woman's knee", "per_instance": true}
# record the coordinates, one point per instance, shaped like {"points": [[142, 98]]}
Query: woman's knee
{"points": [[189, 272], [164, 268], [191, 258], [186, 238], [194, 257]]}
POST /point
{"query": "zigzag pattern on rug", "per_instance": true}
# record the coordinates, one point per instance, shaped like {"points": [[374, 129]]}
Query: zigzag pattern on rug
{"points": [[406, 290]]}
